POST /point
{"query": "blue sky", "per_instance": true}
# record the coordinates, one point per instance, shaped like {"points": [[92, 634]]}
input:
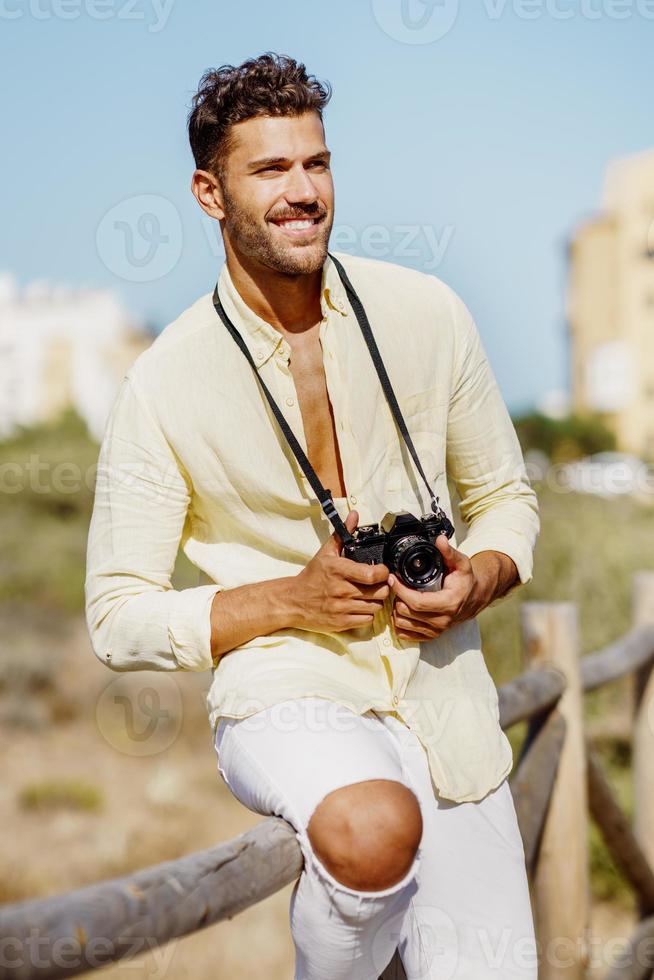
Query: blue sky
{"points": [[467, 141]]}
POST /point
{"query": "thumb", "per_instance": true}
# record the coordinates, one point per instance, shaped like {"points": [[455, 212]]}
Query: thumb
{"points": [[453, 558], [334, 542]]}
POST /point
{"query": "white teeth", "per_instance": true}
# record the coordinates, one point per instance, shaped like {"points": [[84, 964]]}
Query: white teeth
{"points": [[297, 224]]}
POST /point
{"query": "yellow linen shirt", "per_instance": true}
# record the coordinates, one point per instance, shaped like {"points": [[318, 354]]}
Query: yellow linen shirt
{"points": [[193, 455]]}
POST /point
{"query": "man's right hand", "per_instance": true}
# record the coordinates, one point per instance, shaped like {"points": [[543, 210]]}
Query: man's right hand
{"points": [[333, 593]]}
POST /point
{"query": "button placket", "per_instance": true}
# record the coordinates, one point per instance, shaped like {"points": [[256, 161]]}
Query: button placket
{"points": [[285, 394]]}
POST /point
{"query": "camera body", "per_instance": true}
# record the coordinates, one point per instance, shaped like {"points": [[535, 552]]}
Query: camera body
{"points": [[406, 545]]}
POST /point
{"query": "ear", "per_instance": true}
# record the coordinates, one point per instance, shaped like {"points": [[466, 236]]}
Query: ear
{"points": [[208, 193]]}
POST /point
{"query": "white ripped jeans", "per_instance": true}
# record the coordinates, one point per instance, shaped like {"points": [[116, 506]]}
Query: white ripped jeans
{"points": [[461, 911]]}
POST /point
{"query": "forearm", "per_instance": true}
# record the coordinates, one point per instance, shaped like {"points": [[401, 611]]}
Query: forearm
{"points": [[495, 574], [239, 614]]}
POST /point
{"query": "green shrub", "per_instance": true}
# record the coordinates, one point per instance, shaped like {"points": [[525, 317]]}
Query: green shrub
{"points": [[66, 793], [564, 439]]}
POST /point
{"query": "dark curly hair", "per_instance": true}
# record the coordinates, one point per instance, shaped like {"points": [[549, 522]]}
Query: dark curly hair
{"points": [[270, 85]]}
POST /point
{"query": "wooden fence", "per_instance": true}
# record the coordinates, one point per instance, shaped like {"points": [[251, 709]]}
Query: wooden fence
{"points": [[556, 782]]}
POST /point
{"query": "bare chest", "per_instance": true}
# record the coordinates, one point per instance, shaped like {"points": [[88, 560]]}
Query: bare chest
{"points": [[306, 366]]}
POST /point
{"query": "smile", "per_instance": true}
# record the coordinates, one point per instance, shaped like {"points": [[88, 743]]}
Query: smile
{"points": [[298, 227]]}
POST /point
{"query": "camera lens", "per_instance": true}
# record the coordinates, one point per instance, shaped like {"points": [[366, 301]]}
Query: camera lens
{"points": [[417, 562]]}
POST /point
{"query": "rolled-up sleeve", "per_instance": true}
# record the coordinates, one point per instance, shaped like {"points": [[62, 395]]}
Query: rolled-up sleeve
{"points": [[135, 618], [484, 457]]}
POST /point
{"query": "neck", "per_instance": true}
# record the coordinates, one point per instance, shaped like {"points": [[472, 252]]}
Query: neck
{"points": [[290, 303]]}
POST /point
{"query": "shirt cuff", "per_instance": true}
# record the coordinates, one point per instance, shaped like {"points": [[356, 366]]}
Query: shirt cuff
{"points": [[509, 543], [189, 627]]}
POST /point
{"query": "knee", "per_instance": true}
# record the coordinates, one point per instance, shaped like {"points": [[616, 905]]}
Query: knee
{"points": [[367, 834]]}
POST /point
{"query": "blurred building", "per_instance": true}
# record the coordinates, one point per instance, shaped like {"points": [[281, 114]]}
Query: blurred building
{"points": [[62, 347], [610, 306]]}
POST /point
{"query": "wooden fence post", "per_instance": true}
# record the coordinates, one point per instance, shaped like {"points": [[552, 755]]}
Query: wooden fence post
{"points": [[560, 885], [643, 728]]}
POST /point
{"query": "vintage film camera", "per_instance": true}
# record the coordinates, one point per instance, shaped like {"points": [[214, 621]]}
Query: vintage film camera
{"points": [[405, 544]]}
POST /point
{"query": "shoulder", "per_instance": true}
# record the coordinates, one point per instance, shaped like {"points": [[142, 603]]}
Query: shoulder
{"points": [[391, 277], [178, 345], [400, 287]]}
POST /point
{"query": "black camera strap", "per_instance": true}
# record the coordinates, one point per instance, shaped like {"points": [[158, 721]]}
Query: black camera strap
{"points": [[323, 495], [364, 324]]}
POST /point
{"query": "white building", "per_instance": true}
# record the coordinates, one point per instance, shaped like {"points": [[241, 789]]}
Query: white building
{"points": [[62, 347], [611, 306]]}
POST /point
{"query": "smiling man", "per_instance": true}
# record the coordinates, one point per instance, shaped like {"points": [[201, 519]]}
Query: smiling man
{"points": [[356, 707]]}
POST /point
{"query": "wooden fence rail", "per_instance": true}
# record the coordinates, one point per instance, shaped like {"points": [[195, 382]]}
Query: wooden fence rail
{"points": [[557, 781]]}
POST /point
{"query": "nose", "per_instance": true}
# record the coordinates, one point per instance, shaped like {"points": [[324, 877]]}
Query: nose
{"points": [[300, 188]]}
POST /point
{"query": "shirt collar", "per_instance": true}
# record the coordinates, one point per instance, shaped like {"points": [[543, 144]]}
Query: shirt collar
{"points": [[260, 336]]}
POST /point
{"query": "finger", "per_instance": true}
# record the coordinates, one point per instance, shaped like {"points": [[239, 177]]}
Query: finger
{"points": [[354, 621], [422, 602], [334, 542], [380, 590], [363, 573], [357, 606], [434, 626], [413, 637], [444, 607], [453, 558], [406, 623], [416, 599]]}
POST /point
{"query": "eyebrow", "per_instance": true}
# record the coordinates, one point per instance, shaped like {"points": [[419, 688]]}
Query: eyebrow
{"points": [[270, 161]]}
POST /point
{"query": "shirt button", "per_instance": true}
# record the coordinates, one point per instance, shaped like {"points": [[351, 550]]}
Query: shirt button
{"points": [[290, 401], [353, 499], [386, 641], [259, 355], [395, 699], [108, 655]]}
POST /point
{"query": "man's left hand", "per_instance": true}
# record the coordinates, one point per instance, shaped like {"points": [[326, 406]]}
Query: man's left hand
{"points": [[468, 587]]}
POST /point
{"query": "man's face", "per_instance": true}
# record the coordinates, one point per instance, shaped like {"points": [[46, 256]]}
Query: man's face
{"points": [[278, 173]]}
